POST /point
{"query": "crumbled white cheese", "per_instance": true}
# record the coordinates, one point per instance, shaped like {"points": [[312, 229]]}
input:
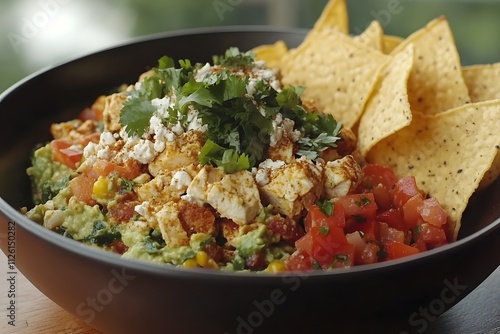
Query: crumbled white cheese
{"points": [[143, 151], [180, 179]]}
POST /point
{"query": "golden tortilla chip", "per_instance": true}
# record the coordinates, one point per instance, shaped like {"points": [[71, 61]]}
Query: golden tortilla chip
{"points": [[448, 153], [388, 109], [436, 83], [483, 81], [337, 72], [390, 42], [372, 36], [271, 53], [334, 15]]}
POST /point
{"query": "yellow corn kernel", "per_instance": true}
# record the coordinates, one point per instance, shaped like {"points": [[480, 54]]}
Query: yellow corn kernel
{"points": [[202, 258], [205, 261], [190, 263], [101, 188], [276, 266]]}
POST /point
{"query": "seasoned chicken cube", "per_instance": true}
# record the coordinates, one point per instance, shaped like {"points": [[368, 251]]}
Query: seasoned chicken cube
{"points": [[111, 113], [292, 187], [170, 225], [180, 152], [197, 189], [168, 185], [342, 176], [234, 196], [284, 150]]}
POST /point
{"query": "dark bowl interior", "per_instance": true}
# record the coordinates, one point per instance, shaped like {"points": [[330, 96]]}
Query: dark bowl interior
{"points": [[123, 296]]}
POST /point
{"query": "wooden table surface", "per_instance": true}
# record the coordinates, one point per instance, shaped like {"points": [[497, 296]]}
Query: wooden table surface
{"points": [[478, 313]]}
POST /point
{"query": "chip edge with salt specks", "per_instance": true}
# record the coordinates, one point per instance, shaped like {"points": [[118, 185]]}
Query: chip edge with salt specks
{"points": [[341, 82], [467, 145], [388, 109], [436, 83]]}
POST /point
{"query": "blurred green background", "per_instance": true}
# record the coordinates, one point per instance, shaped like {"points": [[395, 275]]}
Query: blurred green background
{"points": [[38, 33]]}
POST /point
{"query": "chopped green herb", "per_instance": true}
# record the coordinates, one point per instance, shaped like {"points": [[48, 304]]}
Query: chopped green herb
{"points": [[324, 230], [316, 265], [326, 207], [365, 200], [135, 115]]}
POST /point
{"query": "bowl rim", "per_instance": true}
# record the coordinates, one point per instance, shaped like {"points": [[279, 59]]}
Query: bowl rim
{"points": [[144, 266]]}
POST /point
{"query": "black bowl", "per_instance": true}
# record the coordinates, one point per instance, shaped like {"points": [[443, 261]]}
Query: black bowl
{"points": [[116, 295]]}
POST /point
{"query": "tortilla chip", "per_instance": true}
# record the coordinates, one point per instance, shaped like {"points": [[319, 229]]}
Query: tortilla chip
{"points": [[448, 153], [334, 15], [337, 72], [372, 36], [388, 110], [436, 83], [390, 42], [271, 53], [483, 81]]}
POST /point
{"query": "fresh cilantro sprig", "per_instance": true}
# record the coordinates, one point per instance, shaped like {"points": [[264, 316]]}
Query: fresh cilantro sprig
{"points": [[238, 126], [320, 130]]}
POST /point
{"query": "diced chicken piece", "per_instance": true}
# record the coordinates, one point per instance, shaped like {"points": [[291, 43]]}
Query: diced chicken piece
{"points": [[196, 219], [170, 225], [342, 176], [75, 130], [62, 130], [111, 113], [234, 196], [292, 187], [197, 190], [168, 185], [284, 150], [181, 152]]}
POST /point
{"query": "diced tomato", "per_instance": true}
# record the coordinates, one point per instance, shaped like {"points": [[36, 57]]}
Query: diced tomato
{"points": [[65, 153], [325, 242], [90, 114], [383, 197], [394, 218], [82, 185], [315, 217], [118, 246], [343, 257], [93, 137], [359, 205], [369, 229], [432, 212], [130, 171], [389, 234], [411, 210], [289, 230], [300, 260], [365, 252], [404, 189], [429, 234], [379, 174], [305, 243], [396, 250]]}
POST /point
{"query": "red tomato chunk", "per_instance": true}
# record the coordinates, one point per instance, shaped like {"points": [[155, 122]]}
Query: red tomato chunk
{"points": [[384, 219]]}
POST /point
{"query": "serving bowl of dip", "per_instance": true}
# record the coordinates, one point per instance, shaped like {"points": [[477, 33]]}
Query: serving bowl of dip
{"points": [[117, 295]]}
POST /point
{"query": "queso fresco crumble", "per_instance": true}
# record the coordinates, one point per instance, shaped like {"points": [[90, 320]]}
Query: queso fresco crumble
{"points": [[219, 166]]}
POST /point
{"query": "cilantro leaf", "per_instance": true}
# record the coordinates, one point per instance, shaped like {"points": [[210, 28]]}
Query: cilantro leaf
{"points": [[326, 207], [228, 159], [135, 115]]}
